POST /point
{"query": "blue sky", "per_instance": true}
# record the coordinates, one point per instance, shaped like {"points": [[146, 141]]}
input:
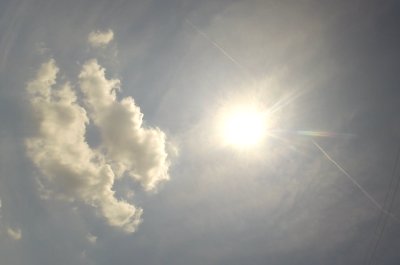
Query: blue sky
{"points": [[110, 150]]}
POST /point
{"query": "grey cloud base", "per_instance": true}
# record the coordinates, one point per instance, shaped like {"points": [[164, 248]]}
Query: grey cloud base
{"points": [[71, 169]]}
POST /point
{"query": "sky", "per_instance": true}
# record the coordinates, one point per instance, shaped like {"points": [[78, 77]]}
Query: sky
{"points": [[111, 149]]}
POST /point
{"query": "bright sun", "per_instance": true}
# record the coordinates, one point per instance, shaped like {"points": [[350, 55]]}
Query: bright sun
{"points": [[244, 127]]}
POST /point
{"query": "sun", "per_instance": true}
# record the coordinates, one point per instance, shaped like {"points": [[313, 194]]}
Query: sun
{"points": [[244, 127]]}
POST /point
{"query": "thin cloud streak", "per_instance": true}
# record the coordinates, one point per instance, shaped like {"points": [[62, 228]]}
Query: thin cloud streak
{"points": [[15, 234], [365, 192], [222, 50]]}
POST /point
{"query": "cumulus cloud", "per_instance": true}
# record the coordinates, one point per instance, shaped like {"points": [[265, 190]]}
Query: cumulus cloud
{"points": [[70, 168], [100, 38], [130, 147], [15, 234]]}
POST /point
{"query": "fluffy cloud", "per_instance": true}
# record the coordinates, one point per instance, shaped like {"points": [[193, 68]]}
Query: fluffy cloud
{"points": [[130, 147], [100, 38], [70, 168]]}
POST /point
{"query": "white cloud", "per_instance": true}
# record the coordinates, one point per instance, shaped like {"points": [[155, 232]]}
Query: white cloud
{"points": [[91, 238], [100, 38], [140, 151], [15, 234], [70, 168]]}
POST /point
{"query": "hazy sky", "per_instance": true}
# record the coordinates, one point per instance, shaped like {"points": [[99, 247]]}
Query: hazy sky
{"points": [[110, 145]]}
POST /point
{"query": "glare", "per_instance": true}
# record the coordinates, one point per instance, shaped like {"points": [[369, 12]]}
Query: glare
{"points": [[244, 127]]}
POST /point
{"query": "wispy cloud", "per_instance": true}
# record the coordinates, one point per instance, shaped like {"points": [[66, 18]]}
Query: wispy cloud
{"points": [[15, 234], [91, 238], [100, 38]]}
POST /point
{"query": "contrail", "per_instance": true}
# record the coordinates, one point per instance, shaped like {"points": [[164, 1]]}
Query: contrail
{"points": [[384, 218], [222, 50], [366, 194], [278, 105]]}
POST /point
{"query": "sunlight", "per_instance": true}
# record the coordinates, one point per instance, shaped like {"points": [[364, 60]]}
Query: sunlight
{"points": [[244, 127]]}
